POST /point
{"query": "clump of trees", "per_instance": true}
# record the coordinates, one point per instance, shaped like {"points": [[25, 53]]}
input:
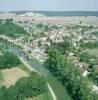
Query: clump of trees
{"points": [[68, 75], [8, 60], [63, 46], [85, 57], [39, 34], [93, 67], [95, 33], [27, 87], [9, 28], [90, 45], [94, 74]]}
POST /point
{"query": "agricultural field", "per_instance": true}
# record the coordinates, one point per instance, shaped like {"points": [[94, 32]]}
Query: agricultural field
{"points": [[10, 76]]}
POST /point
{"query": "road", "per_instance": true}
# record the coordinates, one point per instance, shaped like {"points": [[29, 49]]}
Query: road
{"points": [[58, 89]]}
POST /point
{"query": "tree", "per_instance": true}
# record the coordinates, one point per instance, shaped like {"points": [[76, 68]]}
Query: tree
{"points": [[9, 28], [85, 57], [90, 45], [3, 93], [53, 61], [68, 75], [66, 45], [31, 86], [80, 22], [9, 60], [27, 87]]}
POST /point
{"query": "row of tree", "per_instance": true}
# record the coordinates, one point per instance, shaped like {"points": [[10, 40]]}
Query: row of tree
{"points": [[69, 75], [27, 87]]}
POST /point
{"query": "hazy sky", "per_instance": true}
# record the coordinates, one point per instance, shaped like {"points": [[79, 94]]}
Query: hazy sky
{"points": [[48, 5]]}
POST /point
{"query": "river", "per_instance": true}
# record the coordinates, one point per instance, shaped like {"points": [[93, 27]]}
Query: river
{"points": [[58, 89]]}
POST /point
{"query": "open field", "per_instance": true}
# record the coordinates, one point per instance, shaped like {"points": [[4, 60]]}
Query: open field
{"points": [[12, 75]]}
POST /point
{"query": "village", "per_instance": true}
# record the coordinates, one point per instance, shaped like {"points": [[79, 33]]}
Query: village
{"points": [[42, 35]]}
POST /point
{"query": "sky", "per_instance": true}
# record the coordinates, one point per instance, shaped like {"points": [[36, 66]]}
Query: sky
{"points": [[49, 5]]}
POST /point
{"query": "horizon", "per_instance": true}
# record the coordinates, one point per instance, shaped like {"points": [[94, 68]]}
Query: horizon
{"points": [[49, 5], [43, 11]]}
